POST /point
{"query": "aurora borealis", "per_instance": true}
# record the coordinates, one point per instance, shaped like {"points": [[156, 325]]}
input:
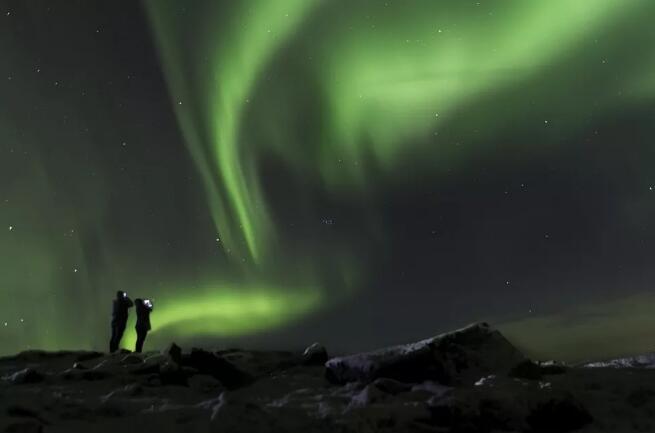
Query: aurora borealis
{"points": [[360, 173]]}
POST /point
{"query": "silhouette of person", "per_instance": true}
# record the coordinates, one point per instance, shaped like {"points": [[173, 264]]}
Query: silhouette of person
{"points": [[143, 309], [119, 319]]}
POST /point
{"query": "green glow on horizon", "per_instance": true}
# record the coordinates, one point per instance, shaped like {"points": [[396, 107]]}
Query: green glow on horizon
{"points": [[222, 312]]}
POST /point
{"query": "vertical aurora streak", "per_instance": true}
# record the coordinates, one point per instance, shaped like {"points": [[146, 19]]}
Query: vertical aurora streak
{"points": [[232, 62]]}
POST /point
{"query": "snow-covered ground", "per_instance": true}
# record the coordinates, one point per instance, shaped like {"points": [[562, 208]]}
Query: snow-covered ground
{"points": [[470, 380]]}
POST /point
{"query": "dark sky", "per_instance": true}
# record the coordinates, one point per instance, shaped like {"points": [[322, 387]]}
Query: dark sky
{"points": [[272, 173]]}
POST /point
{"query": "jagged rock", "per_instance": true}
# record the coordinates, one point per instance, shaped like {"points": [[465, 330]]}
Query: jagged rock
{"points": [[456, 357], [369, 395], [146, 369], [372, 410], [132, 360], [436, 390], [101, 365], [230, 414], [156, 360], [529, 370], [526, 370], [171, 373], [646, 360], [204, 383], [296, 398], [151, 365], [391, 386], [71, 374], [87, 356], [24, 377], [316, 354], [174, 352], [79, 366], [209, 363], [552, 368], [558, 415]]}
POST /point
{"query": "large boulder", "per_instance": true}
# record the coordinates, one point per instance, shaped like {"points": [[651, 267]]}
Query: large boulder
{"points": [[526, 369], [316, 354], [209, 363], [24, 377], [458, 357], [174, 352], [132, 359], [171, 373]]}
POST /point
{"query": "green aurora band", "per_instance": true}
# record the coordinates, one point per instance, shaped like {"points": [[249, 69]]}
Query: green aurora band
{"points": [[348, 99], [387, 81]]}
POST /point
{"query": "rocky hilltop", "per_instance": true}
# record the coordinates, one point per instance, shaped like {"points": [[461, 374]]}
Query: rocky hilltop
{"points": [[469, 380]]}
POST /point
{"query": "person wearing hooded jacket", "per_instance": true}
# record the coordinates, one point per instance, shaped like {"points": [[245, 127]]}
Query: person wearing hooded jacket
{"points": [[143, 310], [119, 315]]}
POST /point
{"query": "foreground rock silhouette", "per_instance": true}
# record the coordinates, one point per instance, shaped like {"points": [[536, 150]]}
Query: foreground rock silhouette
{"points": [[451, 358], [469, 380]]}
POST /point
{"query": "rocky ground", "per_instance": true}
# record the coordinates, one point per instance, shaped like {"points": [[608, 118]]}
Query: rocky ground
{"points": [[470, 380]]}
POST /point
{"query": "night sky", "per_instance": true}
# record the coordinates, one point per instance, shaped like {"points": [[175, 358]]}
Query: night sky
{"points": [[364, 173]]}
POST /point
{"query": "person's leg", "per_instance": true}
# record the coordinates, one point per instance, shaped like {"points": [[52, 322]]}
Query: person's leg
{"points": [[143, 339], [120, 330], [140, 338], [113, 345]]}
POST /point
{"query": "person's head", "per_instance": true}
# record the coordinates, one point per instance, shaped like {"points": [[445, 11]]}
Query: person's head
{"points": [[121, 294], [138, 302]]}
